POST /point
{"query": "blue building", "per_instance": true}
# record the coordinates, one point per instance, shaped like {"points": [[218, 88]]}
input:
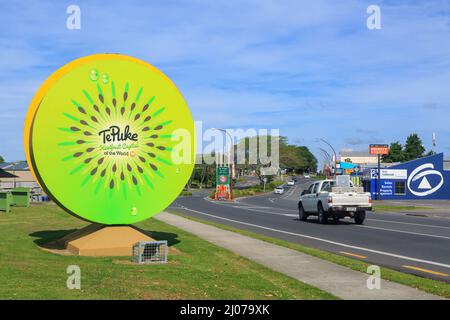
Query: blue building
{"points": [[423, 178]]}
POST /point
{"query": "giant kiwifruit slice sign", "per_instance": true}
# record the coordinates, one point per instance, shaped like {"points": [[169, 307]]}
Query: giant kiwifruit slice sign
{"points": [[100, 136]]}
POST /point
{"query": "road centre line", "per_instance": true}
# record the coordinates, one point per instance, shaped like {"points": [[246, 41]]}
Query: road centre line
{"points": [[327, 241], [353, 254], [426, 270]]}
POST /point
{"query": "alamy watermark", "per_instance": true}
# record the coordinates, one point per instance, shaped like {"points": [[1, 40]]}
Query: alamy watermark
{"points": [[374, 281], [239, 146], [74, 277], [374, 20], [73, 21]]}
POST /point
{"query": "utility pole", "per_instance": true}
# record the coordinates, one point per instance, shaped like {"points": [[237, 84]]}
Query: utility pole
{"points": [[379, 177], [434, 143], [379, 150]]}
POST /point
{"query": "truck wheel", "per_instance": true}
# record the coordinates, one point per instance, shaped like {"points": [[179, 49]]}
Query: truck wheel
{"points": [[301, 212], [322, 215], [359, 217]]}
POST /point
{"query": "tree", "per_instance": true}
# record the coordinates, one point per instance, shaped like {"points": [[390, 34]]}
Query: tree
{"points": [[309, 161], [1, 159], [293, 157], [395, 153], [413, 147]]}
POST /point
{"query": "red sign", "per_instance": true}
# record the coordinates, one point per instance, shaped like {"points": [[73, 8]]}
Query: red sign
{"points": [[379, 149]]}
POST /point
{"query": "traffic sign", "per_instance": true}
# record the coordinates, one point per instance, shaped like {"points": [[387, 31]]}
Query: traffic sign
{"points": [[223, 180]]}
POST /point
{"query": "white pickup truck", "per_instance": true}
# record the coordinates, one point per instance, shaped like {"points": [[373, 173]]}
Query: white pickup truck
{"points": [[326, 200]]}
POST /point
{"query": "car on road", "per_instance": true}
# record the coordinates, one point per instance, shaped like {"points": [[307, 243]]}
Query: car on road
{"points": [[325, 200], [306, 175], [278, 190], [291, 183]]}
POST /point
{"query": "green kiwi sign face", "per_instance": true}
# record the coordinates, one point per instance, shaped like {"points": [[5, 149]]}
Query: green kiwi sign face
{"points": [[110, 139]]}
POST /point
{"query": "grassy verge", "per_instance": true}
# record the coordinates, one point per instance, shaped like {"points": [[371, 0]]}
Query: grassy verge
{"points": [[381, 207], [428, 285], [197, 270]]}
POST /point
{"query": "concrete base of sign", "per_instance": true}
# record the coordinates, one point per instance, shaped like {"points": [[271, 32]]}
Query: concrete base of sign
{"points": [[100, 240]]}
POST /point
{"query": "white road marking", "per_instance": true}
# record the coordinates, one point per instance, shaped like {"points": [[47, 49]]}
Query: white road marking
{"points": [[408, 232], [250, 207], [261, 210], [327, 241], [275, 213], [368, 219], [271, 208], [290, 193], [365, 226], [409, 223]]}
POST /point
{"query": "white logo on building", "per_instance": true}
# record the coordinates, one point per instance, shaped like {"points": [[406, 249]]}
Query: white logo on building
{"points": [[373, 173], [424, 188]]}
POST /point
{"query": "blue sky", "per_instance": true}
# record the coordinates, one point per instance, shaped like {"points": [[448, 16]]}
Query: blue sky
{"points": [[309, 68]]}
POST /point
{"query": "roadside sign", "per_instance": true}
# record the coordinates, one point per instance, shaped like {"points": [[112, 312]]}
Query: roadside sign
{"points": [[223, 175], [223, 188], [379, 149]]}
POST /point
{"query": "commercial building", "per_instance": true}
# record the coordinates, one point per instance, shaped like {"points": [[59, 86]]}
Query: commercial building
{"points": [[358, 157], [21, 176], [423, 178]]}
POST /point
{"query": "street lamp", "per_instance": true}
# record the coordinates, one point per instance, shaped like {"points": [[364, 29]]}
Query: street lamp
{"points": [[230, 160], [326, 155], [327, 159], [334, 152]]}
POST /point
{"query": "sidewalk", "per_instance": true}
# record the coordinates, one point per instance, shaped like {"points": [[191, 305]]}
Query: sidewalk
{"points": [[340, 281]]}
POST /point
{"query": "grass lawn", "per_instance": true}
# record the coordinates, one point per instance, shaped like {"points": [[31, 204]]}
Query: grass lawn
{"points": [[428, 285], [383, 207], [199, 270]]}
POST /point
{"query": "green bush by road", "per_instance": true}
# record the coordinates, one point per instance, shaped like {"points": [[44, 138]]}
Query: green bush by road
{"points": [[197, 270], [256, 189]]}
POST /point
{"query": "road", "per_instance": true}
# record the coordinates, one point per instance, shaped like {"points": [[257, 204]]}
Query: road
{"points": [[417, 245]]}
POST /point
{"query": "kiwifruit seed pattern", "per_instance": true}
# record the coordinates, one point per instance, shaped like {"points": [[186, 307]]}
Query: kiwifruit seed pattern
{"points": [[102, 138]]}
